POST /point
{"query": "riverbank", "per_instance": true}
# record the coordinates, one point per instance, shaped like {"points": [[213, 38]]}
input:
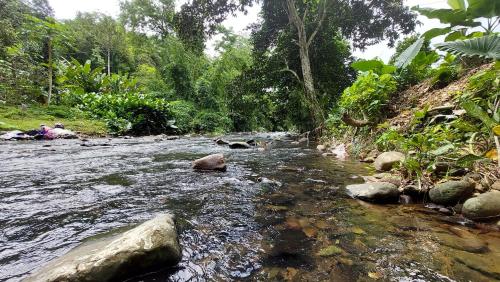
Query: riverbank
{"points": [[31, 117], [434, 140]]}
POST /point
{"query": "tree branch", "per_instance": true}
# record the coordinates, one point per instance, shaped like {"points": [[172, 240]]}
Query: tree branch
{"points": [[322, 17], [354, 122]]}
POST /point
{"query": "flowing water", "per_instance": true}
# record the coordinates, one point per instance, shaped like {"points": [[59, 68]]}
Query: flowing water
{"points": [[297, 224]]}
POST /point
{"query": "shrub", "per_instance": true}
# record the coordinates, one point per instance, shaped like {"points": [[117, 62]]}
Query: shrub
{"points": [[132, 113], [368, 95], [207, 121], [183, 113]]}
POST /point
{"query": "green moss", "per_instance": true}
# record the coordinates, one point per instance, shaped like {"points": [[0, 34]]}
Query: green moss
{"points": [[13, 118]]}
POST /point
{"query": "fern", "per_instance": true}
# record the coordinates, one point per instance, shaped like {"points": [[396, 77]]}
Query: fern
{"points": [[484, 47]]}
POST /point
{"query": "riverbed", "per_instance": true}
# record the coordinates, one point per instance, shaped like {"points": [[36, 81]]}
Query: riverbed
{"points": [[278, 214]]}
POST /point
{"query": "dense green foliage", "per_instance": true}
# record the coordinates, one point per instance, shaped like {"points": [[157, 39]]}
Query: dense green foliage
{"points": [[146, 72]]}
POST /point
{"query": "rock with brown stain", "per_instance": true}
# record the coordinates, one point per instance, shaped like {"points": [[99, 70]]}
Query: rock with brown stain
{"points": [[212, 162]]}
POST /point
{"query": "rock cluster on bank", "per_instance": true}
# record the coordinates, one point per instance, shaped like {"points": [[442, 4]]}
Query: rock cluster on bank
{"points": [[448, 197], [148, 247]]}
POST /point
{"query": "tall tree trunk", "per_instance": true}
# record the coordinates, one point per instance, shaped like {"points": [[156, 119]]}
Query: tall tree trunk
{"points": [[304, 42], [109, 61], [50, 71]]}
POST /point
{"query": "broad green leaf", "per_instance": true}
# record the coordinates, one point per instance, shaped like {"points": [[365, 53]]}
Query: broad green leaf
{"points": [[388, 69], [445, 16], [443, 150], [468, 160], [433, 32], [409, 54], [457, 4], [367, 65], [456, 35], [477, 112], [484, 8], [485, 47]]}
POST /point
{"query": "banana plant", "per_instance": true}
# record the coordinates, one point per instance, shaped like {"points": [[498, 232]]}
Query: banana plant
{"points": [[461, 17], [487, 47]]}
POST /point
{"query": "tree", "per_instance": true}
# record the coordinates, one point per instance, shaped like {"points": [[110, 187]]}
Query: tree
{"points": [[110, 36], [149, 16], [51, 32], [289, 30], [304, 42]]}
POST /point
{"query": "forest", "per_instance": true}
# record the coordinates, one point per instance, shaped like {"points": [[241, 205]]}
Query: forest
{"points": [[146, 69]]}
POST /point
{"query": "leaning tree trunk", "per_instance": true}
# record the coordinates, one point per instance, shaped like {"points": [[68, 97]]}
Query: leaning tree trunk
{"points": [[315, 109], [50, 71]]}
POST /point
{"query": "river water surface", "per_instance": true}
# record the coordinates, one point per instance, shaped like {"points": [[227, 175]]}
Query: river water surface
{"points": [[297, 224]]}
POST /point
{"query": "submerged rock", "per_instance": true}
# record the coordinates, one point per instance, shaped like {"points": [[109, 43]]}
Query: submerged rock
{"points": [[374, 192], [239, 145], [451, 192], [387, 160], [211, 162], [483, 207], [150, 246], [221, 142]]}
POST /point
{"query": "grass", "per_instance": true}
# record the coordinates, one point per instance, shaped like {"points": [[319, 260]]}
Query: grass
{"points": [[13, 118]]}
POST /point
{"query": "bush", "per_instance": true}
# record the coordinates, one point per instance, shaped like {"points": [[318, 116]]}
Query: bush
{"points": [[207, 121], [132, 113], [183, 113], [369, 93]]}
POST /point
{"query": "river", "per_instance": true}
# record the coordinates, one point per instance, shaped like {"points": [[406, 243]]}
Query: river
{"points": [[233, 226]]}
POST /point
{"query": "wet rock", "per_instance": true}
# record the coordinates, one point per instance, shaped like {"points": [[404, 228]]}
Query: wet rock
{"points": [[15, 135], [384, 177], [212, 162], [451, 192], [405, 199], [150, 246], [496, 186], [321, 148], [445, 211], [387, 160], [303, 140], [239, 145], [370, 157], [374, 192], [221, 142], [340, 152], [172, 137], [483, 207], [252, 142]]}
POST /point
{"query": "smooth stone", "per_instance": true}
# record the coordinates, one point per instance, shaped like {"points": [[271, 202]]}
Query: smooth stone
{"points": [[221, 142], [212, 162], [150, 246], [386, 161], [496, 186], [321, 148], [239, 145], [451, 192], [375, 192], [483, 207]]}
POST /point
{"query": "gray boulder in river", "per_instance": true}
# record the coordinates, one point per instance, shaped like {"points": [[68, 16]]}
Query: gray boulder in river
{"points": [[483, 207], [387, 160], [212, 162], [374, 192], [239, 145], [451, 192], [150, 246]]}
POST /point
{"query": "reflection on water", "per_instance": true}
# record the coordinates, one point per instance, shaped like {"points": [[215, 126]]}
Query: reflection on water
{"points": [[275, 215]]}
